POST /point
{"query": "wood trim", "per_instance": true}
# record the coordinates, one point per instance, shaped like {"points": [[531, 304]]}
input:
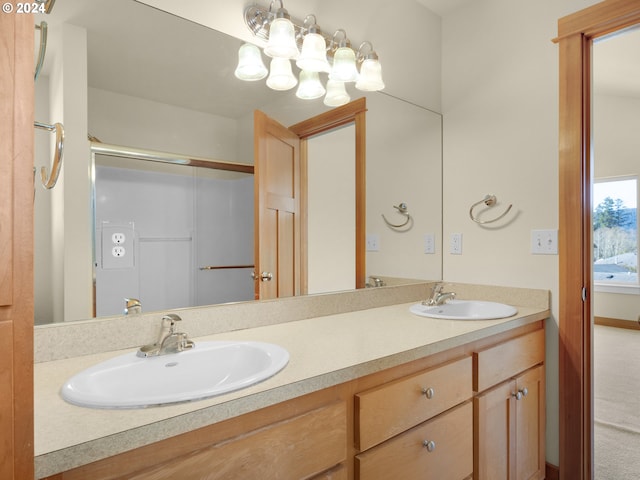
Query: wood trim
{"points": [[353, 112], [617, 322], [16, 214], [334, 118], [552, 472], [575, 33]]}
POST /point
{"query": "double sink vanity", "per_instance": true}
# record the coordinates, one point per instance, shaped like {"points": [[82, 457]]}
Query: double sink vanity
{"points": [[363, 385]]}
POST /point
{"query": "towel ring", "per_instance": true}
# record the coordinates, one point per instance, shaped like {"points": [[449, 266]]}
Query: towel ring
{"points": [[489, 201], [50, 182], [403, 210]]}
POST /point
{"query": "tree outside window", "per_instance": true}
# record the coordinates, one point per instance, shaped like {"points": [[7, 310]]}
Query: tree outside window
{"points": [[615, 231]]}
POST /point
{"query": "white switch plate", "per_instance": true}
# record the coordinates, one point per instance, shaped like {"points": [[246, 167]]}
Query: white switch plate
{"points": [[456, 244], [429, 243], [373, 242], [544, 242]]}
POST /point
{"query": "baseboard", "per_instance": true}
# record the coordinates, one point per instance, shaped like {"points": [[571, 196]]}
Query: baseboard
{"points": [[552, 472], [616, 322]]}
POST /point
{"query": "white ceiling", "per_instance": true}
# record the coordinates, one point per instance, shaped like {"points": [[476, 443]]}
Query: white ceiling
{"points": [[137, 50]]}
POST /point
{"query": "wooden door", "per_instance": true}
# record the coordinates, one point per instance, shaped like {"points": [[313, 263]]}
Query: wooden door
{"points": [[495, 433], [16, 245], [277, 209], [530, 425]]}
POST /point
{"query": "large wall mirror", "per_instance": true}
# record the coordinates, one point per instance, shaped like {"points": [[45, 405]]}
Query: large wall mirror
{"points": [[130, 75]]}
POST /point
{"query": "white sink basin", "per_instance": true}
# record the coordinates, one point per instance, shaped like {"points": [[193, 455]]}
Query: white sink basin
{"points": [[207, 370], [465, 310]]}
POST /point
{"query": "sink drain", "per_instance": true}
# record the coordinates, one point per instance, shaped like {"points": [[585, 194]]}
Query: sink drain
{"points": [[171, 364]]}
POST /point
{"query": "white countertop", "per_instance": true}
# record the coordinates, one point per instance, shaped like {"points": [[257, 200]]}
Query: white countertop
{"points": [[324, 351]]}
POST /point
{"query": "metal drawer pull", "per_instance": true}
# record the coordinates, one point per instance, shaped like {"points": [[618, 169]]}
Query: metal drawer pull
{"points": [[430, 445], [428, 392]]}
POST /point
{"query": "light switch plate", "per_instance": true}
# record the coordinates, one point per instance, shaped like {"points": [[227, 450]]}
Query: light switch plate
{"points": [[456, 244], [373, 242], [544, 242], [429, 243]]}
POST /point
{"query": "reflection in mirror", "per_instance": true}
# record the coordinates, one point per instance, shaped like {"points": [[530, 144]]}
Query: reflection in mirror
{"points": [[616, 297], [135, 76]]}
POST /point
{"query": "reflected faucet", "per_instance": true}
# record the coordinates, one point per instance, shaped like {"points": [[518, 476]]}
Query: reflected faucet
{"points": [[438, 297], [132, 306], [169, 340]]}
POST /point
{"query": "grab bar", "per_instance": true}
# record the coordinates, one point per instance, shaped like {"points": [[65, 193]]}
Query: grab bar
{"points": [[225, 267], [50, 182], [489, 201], [43, 48]]}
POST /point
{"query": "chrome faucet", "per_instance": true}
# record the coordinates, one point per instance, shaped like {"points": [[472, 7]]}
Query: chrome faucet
{"points": [[132, 305], [438, 297], [169, 340]]}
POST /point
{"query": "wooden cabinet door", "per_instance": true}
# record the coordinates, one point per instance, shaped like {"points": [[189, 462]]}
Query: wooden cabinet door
{"points": [[495, 433], [510, 429], [277, 209], [530, 425]]}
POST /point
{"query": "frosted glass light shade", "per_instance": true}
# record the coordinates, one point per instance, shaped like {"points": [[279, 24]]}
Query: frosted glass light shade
{"points": [[250, 65], [282, 40], [336, 94], [370, 78], [313, 56], [281, 76], [310, 86], [344, 65]]}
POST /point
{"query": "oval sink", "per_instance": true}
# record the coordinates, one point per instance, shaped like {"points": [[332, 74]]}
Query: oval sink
{"points": [[465, 310], [209, 369]]}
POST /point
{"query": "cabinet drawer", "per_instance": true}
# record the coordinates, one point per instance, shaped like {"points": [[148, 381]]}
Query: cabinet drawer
{"points": [[407, 457], [385, 411], [300, 447], [505, 360]]}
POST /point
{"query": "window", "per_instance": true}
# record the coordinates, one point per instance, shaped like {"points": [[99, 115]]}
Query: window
{"points": [[615, 232]]}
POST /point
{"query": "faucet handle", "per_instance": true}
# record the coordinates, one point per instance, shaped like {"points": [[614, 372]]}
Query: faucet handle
{"points": [[169, 320]]}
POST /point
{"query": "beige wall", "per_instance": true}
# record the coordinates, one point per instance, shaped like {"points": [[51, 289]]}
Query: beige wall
{"points": [[500, 107]]}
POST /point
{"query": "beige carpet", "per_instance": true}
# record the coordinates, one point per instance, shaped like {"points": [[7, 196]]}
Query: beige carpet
{"points": [[617, 403]]}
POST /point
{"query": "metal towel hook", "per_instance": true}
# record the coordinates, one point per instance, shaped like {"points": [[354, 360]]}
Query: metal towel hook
{"points": [[403, 210], [489, 201], [50, 182]]}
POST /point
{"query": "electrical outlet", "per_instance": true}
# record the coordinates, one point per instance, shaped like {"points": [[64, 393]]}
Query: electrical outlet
{"points": [[544, 242], [118, 238], [373, 242], [117, 245], [429, 243], [456, 244]]}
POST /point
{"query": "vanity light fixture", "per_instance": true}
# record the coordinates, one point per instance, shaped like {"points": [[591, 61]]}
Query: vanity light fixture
{"points": [[250, 65], [344, 60], [370, 78], [314, 54], [282, 36], [310, 86]]}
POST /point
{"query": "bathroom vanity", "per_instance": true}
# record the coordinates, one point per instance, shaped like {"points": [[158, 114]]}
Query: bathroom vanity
{"points": [[368, 394]]}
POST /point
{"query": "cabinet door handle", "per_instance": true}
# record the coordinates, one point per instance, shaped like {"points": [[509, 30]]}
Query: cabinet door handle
{"points": [[428, 392], [520, 394], [430, 445]]}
